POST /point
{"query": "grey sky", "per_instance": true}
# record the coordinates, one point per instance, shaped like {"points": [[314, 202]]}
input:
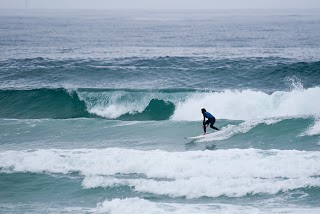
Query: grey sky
{"points": [[160, 4]]}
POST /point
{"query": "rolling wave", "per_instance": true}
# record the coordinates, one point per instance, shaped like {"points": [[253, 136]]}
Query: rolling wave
{"points": [[41, 103], [175, 104]]}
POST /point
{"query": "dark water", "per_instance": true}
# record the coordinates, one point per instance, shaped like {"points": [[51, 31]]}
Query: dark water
{"points": [[97, 109]]}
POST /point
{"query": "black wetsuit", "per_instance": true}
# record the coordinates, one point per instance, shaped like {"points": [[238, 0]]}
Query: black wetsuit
{"points": [[211, 120]]}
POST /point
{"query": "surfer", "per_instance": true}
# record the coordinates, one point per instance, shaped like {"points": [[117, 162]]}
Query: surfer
{"points": [[211, 120]]}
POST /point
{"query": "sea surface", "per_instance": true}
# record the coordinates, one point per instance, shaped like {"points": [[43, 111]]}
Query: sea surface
{"points": [[97, 109]]}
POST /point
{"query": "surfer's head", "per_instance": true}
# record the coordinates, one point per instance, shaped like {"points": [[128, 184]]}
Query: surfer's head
{"points": [[203, 110]]}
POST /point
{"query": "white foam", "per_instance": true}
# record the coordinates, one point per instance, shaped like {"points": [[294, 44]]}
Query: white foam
{"points": [[138, 205], [249, 104], [113, 111], [197, 187], [228, 104], [313, 130], [114, 104], [200, 173], [157, 163], [129, 206]]}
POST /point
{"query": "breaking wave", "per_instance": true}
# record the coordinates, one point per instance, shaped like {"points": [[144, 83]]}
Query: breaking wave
{"points": [[175, 104]]}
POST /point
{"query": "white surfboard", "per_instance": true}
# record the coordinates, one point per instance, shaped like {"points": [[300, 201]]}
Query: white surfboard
{"points": [[198, 137]]}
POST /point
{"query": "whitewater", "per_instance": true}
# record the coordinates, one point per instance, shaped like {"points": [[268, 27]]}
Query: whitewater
{"points": [[96, 116]]}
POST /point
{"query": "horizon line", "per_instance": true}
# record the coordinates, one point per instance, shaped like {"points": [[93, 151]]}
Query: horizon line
{"points": [[159, 9]]}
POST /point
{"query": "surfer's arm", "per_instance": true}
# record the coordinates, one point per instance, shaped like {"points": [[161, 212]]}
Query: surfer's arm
{"points": [[204, 125]]}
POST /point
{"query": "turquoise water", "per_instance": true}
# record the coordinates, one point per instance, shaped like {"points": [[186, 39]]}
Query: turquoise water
{"points": [[97, 109]]}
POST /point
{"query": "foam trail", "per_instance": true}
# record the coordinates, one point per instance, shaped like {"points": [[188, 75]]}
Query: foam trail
{"points": [[231, 130], [249, 104]]}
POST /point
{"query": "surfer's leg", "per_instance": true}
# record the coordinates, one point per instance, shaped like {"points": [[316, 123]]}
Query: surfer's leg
{"points": [[213, 127], [211, 124]]}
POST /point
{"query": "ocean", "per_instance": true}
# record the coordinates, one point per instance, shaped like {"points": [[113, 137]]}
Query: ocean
{"points": [[97, 109]]}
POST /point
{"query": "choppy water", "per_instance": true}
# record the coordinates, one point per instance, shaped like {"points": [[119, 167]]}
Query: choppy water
{"points": [[96, 108]]}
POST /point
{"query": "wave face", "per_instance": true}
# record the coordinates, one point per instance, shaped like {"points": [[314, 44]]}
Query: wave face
{"points": [[41, 103], [62, 103], [158, 104]]}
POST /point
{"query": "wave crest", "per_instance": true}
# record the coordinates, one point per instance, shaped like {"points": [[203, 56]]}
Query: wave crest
{"points": [[158, 105], [249, 104]]}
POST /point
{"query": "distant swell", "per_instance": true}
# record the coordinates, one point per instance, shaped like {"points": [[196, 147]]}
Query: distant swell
{"points": [[158, 72]]}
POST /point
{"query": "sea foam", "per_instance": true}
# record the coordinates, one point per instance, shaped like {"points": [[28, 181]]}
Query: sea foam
{"points": [[314, 129], [228, 104], [197, 187], [231, 172], [139, 205], [249, 104]]}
